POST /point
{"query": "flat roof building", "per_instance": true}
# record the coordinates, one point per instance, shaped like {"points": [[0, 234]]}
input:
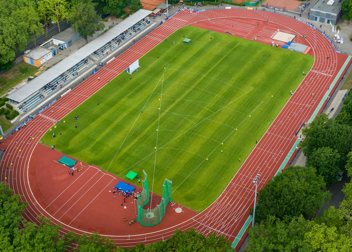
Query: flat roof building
{"points": [[326, 11]]}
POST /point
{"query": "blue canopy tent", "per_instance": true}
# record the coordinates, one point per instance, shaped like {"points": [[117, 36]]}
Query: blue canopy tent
{"points": [[122, 186]]}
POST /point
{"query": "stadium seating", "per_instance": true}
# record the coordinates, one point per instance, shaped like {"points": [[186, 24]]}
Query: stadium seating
{"points": [[76, 68], [31, 102], [106, 48], [66, 77], [59, 81]]}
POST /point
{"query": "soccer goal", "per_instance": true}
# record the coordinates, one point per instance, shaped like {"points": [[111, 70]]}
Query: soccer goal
{"points": [[133, 67]]}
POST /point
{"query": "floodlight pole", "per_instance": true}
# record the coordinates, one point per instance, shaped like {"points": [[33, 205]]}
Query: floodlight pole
{"points": [[255, 181], [167, 8], [2, 132]]}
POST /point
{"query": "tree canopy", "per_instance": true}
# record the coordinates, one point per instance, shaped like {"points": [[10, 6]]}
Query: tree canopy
{"points": [[18, 21], [326, 161], [278, 235], [345, 115], [135, 6], [297, 191], [324, 132], [346, 8], [113, 7], [57, 10], [84, 19]]}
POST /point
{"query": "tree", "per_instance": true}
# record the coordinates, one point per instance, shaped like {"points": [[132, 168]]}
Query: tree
{"points": [[326, 161], [11, 209], [55, 10], [297, 191], [323, 238], [188, 241], [346, 8], [274, 234], [94, 242], [84, 19], [45, 13], [18, 21], [324, 132], [46, 237], [345, 115], [135, 6], [113, 7]]}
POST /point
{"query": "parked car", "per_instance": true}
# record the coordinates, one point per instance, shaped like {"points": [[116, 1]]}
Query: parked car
{"points": [[339, 176]]}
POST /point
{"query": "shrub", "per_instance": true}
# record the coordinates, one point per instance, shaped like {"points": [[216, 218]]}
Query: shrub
{"points": [[9, 106], [2, 110], [125, 15], [338, 27], [2, 103], [4, 99], [7, 112], [12, 115], [7, 66], [351, 37]]}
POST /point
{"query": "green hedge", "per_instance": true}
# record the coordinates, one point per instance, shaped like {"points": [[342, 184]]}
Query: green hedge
{"points": [[4, 99], [12, 115], [7, 112], [9, 106], [2, 103], [125, 15], [2, 110]]}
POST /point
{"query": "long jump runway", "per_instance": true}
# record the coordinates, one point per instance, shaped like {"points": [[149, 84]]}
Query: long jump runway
{"points": [[81, 204]]}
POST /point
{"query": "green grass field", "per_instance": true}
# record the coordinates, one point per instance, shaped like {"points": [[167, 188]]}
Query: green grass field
{"points": [[213, 94]]}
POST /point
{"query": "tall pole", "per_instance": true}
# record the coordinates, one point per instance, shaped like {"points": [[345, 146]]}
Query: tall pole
{"points": [[255, 181], [167, 8]]}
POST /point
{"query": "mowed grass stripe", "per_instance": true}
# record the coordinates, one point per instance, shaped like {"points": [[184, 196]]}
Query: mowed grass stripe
{"points": [[210, 87]]}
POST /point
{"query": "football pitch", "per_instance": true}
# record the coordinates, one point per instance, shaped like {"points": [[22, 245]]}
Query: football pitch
{"points": [[190, 113]]}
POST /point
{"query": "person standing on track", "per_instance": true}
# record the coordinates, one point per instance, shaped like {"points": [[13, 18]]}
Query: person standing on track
{"points": [[99, 78]]}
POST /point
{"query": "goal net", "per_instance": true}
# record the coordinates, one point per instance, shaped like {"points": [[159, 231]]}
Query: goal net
{"points": [[133, 67], [151, 217]]}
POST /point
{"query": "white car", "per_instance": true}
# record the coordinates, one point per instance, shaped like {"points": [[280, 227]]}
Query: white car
{"points": [[339, 176]]}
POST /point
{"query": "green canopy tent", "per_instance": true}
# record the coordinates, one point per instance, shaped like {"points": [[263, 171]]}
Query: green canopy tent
{"points": [[67, 161], [187, 40], [131, 175]]}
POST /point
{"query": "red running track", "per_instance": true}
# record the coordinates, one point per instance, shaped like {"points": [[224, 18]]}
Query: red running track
{"points": [[229, 212]]}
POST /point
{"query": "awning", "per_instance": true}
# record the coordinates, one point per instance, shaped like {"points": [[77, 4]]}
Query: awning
{"points": [[187, 40], [156, 11]]}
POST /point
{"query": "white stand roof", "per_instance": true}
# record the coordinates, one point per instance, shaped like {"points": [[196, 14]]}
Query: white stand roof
{"points": [[46, 77]]}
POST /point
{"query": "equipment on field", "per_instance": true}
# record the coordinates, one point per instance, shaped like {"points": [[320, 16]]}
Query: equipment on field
{"points": [[131, 175], [122, 186], [152, 217], [67, 161], [133, 67]]}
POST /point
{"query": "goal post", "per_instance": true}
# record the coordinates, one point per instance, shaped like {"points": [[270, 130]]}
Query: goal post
{"points": [[134, 67]]}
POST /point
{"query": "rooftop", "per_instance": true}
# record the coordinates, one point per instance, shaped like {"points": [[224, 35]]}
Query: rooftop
{"points": [[330, 6], [162, 6], [66, 34], [37, 53], [46, 77]]}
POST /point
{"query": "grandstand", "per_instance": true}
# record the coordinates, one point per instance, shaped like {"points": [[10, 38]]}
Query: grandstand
{"points": [[67, 70]]}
